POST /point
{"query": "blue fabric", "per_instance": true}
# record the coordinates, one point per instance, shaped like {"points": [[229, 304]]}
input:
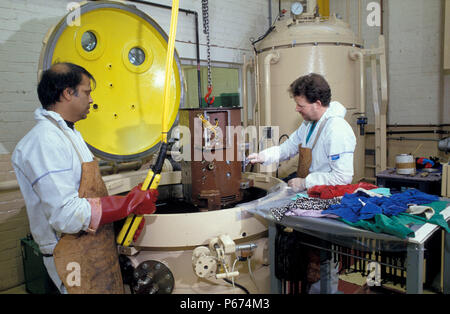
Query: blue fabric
{"points": [[360, 206], [400, 225]]}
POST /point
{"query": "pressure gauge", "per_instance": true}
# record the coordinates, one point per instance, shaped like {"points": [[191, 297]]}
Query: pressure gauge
{"points": [[297, 8]]}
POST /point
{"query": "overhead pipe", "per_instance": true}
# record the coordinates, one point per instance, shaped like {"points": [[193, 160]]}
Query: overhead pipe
{"points": [[401, 138]]}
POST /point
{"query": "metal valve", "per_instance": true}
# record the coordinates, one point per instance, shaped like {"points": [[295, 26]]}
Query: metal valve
{"points": [[361, 122]]}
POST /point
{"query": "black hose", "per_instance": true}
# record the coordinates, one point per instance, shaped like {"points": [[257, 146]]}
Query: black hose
{"points": [[157, 168], [262, 37], [238, 285], [279, 141]]}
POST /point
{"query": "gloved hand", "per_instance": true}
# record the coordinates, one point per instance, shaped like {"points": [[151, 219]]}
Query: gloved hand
{"points": [[255, 158], [108, 209], [297, 184]]}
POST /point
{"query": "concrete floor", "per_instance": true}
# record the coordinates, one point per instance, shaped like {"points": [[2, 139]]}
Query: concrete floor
{"points": [[16, 290]]}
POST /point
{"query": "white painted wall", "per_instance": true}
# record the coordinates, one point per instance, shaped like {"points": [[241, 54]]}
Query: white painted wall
{"points": [[348, 11], [415, 66], [418, 88]]}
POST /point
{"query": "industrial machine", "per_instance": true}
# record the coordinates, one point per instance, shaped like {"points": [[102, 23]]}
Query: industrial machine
{"points": [[300, 42], [199, 240]]}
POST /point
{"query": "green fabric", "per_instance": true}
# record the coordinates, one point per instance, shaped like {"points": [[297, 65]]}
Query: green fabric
{"points": [[398, 225]]}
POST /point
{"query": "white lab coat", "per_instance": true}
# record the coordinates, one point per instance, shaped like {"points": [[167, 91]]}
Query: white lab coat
{"points": [[48, 171], [332, 156]]}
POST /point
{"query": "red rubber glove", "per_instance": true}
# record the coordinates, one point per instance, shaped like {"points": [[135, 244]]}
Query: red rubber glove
{"points": [[113, 208]]}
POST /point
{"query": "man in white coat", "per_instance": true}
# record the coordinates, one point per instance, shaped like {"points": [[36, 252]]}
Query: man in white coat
{"points": [[324, 140], [325, 143], [48, 162]]}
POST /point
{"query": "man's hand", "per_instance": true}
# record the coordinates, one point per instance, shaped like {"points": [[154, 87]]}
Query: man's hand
{"points": [[108, 209], [255, 158], [297, 184]]}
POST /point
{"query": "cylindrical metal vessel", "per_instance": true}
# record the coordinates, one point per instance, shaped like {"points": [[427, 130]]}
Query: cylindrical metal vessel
{"points": [[405, 164], [299, 47]]}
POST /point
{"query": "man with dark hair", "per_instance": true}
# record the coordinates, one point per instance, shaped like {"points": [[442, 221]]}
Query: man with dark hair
{"points": [[54, 82], [58, 176], [324, 141]]}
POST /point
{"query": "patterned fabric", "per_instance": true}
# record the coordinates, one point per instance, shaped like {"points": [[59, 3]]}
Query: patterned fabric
{"points": [[303, 204]]}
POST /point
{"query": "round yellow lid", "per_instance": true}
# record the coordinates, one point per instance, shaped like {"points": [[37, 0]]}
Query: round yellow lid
{"points": [[125, 50]]}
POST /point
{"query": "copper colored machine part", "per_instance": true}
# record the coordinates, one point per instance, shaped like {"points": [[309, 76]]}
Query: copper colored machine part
{"points": [[214, 183]]}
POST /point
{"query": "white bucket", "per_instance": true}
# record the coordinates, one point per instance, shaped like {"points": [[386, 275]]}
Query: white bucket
{"points": [[404, 163]]}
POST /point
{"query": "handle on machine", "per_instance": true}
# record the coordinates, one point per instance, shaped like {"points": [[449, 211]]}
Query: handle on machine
{"points": [[153, 178]]}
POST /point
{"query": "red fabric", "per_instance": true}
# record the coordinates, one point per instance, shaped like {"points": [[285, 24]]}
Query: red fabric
{"points": [[135, 202], [330, 191]]}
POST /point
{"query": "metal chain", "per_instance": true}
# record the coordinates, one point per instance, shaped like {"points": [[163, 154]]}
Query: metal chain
{"points": [[206, 32]]}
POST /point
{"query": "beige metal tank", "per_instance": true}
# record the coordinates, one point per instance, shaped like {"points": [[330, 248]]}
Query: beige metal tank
{"points": [[298, 47]]}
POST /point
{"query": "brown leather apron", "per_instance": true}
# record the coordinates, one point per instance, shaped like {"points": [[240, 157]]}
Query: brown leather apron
{"points": [[85, 262], [305, 155]]}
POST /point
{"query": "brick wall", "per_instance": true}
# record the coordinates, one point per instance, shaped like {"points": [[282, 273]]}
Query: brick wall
{"points": [[13, 227]]}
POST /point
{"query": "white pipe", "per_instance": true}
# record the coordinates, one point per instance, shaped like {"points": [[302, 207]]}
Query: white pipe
{"points": [[311, 6], [347, 11], [271, 57], [256, 106], [244, 90], [359, 20], [357, 54], [9, 185]]}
